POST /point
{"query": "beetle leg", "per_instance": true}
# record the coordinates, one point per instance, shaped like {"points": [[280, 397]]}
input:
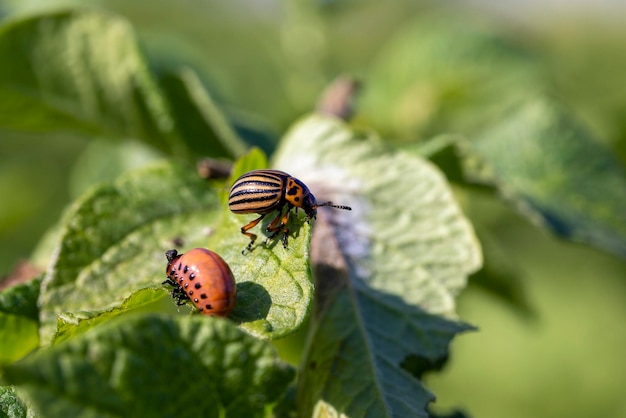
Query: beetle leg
{"points": [[245, 228], [275, 225], [276, 228]]}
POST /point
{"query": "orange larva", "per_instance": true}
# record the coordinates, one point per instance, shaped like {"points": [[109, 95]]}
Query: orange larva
{"points": [[203, 277]]}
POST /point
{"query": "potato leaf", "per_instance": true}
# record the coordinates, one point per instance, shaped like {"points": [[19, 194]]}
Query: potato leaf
{"points": [[387, 272], [19, 320], [113, 241], [554, 172], [153, 365], [82, 72]]}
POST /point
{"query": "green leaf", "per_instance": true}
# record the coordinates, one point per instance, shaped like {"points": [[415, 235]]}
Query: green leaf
{"points": [[10, 405], [21, 299], [82, 72], [444, 73], [72, 324], [113, 239], [387, 272], [103, 161], [554, 172], [157, 366], [255, 159], [19, 322], [201, 123], [373, 333]]}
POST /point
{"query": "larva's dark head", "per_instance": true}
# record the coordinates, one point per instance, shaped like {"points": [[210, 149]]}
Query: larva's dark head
{"points": [[171, 255]]}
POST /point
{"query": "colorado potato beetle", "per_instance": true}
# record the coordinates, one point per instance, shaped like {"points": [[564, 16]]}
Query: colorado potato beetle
{"points": [[204, 277], [268, 191]]}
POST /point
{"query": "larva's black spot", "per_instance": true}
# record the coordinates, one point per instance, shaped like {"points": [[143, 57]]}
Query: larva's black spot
{"points": [[203, 296], [180, 265], [195, 300], [186, 269], [197, 285], [192, 276], [190, 292], [186, 285], [208, 307]]}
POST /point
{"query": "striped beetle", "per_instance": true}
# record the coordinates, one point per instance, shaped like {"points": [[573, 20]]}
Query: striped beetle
{"points": [[267, 191]]}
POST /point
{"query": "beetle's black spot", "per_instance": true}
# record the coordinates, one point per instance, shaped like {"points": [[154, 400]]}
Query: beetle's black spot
{"points": [[192, 276], [198, 286], [203, 296], [297, 199], [293, 190], [185, 269], [208, 307]]}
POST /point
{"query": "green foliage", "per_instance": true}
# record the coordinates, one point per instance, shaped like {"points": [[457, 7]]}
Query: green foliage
{"points": [[549, 166], [386, 269], [10, 405], [82, 72], [176, 366], [19, 320], [109, 233], [440, 74], [374, 288], [71, 324]]}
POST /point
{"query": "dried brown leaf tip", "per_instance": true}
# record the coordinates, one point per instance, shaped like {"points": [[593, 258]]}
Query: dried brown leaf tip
{"points": [[211, 169], [22, 272], [338, 98]]}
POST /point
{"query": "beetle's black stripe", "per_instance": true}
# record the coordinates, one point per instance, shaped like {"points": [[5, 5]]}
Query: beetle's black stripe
{"points": [[255, 188], [258, 183], [254, 203], [254, 195], [261, 200]]}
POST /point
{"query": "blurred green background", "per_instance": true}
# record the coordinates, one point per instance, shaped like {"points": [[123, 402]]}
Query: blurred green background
{"points": [[557, 351]]}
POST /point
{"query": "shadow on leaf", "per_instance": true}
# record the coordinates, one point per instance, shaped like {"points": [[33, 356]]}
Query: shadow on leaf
{"points": [[253, 302]]}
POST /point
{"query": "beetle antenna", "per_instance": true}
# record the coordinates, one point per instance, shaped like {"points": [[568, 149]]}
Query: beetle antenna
{"points": [[330, 204]]}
